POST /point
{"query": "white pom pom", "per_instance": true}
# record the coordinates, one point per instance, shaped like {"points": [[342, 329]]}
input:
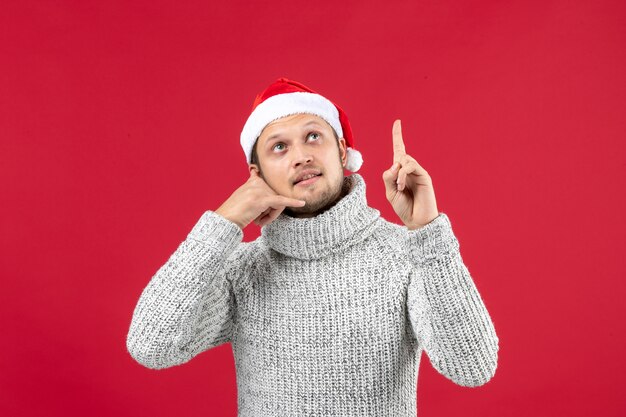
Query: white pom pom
{"points": [[354, 160]]}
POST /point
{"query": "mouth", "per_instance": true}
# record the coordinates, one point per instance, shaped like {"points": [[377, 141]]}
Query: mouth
{"points": [[308, 180]]}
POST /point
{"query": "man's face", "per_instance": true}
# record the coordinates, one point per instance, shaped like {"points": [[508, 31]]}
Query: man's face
{"points": [[289, 146]]}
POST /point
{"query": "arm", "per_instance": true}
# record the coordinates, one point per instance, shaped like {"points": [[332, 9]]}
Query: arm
{"points": [[447, 314], [187, 307]]}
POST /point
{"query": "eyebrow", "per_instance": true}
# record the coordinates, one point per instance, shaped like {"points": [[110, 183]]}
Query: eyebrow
{"points": [[274, 136]]}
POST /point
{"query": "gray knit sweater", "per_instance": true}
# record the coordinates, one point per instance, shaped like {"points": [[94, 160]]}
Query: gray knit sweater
{"points": [[326, 316]]}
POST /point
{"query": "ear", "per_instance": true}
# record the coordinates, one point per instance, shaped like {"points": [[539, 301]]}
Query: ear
{"points": [[343, 151], [254, 167]]}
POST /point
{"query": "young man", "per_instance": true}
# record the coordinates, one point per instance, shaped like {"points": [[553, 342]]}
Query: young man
{"points": [[329, 310]]}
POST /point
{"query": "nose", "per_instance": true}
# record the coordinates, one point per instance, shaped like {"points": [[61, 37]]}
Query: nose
{"points": [[301, 156]]}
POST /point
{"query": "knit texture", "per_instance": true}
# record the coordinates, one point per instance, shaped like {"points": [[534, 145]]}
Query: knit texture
{"points": [[326, 316]]}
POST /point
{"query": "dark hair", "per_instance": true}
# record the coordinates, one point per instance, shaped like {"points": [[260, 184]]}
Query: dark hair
{"points": [[254, 157]]}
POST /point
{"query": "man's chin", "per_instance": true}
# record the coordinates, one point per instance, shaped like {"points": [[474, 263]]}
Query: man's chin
{"points": [[308, 209], [313, 207], [318, 196]]}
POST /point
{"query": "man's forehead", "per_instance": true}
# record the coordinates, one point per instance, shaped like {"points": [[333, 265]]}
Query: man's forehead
{"points": [[301, 119]]}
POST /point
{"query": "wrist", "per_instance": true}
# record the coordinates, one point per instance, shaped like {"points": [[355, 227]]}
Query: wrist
{"points": [[227, 217], [415, 226]]}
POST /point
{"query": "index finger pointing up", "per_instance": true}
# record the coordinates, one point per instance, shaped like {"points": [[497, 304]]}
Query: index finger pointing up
{"points": [[398, 143]]}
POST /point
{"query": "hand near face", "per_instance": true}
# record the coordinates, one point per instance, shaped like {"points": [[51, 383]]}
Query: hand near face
{"points": [[408, 186], [255, 201]]}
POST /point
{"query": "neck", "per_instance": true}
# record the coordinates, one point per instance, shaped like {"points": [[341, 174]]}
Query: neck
{"points": [[345, 223]]}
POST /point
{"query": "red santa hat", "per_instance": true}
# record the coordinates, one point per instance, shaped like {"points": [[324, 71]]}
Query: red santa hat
{"points": [[285, 97]]}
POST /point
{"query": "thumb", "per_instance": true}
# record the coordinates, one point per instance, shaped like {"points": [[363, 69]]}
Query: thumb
{"points": [[390, 177], [271, 216], [254, 174]]}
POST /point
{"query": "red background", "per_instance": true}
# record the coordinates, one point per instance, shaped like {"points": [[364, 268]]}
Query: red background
{"points": [[119, 127]]}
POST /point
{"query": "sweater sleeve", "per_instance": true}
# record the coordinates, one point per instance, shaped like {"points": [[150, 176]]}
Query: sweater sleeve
{"points": [[447, 315], [187, 307]]}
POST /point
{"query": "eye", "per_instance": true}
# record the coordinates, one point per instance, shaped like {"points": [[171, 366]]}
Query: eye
{"points": [[279, 143], [317, 135]]}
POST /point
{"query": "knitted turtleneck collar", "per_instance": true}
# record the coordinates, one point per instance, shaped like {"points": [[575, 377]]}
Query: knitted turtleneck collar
{"points": [[348, 222]]}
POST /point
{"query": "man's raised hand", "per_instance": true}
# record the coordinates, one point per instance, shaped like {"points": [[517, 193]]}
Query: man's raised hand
{"points": [[255, 201], [408, 187]]}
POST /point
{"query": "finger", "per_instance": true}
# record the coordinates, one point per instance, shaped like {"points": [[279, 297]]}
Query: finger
{"points": [[398, 142], [390, 177], [273, 214], [253, 175], [416, 169], [260, 221], [258, 218], [407, 169], [278, 201]]}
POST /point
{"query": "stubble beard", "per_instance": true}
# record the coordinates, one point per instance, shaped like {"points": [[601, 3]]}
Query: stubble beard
{"points": [[328, 199]]}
